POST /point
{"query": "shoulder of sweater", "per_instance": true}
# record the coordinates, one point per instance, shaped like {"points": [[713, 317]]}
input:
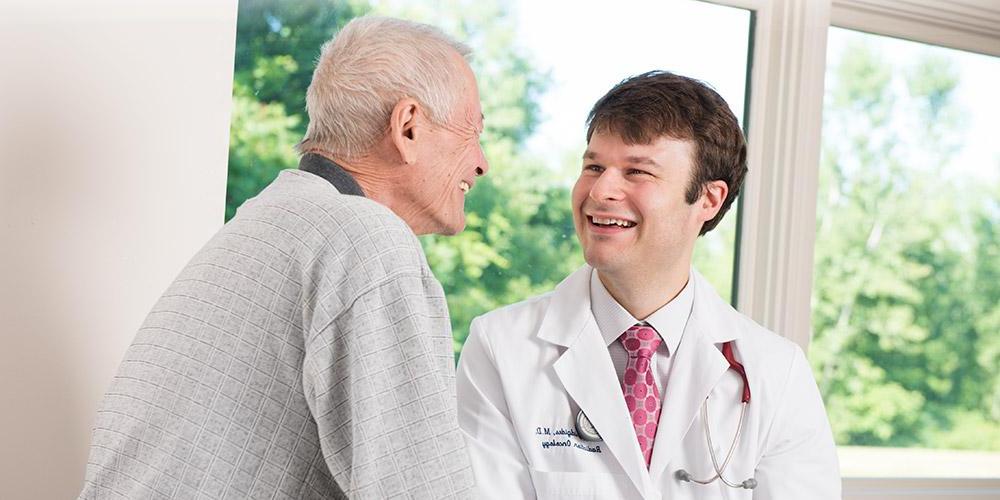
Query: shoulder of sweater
{"points": [[310, 198]]}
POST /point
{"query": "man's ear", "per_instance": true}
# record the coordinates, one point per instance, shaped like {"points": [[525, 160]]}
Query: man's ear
{"points": [[403, 128], [712, 198]]}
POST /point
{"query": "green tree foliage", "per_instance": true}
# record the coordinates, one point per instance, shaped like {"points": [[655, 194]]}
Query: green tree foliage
{"points": [[519, 238], [905, 319], [277, 43]]}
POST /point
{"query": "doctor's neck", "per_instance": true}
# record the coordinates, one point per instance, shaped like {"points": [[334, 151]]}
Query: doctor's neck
{"points": [[641, 294]]}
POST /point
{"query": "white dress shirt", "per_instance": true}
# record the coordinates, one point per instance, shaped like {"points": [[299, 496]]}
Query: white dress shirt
{"points": [[668, 321]]}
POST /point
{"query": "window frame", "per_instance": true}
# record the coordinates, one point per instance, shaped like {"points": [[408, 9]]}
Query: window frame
{"points": [[784, 123]]}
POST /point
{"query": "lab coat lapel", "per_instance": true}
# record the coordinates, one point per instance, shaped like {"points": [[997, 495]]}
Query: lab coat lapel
{"points": [[696, 370], [587, 374]]}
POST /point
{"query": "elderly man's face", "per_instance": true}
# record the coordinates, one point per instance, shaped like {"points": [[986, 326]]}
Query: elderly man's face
{"points": [[453, 158]]}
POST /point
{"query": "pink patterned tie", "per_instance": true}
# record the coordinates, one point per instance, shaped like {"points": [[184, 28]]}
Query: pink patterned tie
{"points": [[641, 394]]}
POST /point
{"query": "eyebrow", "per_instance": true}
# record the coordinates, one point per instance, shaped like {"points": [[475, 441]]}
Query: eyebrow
{"points": [[631, 160]]}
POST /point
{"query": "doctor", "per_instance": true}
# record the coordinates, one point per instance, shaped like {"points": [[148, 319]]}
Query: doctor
{"points": [[633, 379]]}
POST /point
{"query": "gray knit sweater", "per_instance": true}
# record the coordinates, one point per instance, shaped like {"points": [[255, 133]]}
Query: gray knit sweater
{"points": [[304, 352]]}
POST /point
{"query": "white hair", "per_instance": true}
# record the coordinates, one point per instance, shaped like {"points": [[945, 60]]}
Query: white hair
{"points": [[362, 73]]}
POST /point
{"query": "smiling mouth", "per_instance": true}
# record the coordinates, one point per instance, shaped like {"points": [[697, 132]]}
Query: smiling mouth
{"points": [[608, 222], [464, 186]]}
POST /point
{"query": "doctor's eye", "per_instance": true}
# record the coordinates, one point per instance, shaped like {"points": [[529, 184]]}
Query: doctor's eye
{"points": [[635, 171], [593, 168]]}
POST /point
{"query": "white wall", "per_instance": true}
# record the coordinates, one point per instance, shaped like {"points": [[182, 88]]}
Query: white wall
{"points": [[114, 121]]}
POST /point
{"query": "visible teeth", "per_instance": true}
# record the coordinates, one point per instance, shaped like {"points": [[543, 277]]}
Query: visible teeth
{"points": [[464, 186], [608, 222]]}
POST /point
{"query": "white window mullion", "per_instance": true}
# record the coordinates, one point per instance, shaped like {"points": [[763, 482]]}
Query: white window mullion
{"points": [[972, 25], [776, 255]]}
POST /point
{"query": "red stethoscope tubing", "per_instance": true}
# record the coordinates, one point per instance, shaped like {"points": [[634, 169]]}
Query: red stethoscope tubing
{"points": [[727, 351]]}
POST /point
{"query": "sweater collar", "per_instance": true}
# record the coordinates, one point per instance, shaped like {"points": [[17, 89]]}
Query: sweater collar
{"points": [[318, 165]]}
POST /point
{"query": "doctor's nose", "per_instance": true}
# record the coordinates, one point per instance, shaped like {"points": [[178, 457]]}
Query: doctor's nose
{"points": [[607, 187]]}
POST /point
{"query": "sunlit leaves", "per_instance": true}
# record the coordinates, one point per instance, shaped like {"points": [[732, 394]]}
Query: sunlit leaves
{"points": [[906, 338], [259, 138]]}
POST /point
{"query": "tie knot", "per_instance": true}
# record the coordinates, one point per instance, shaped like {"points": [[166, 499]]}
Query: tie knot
{"points": [[640, 341]]}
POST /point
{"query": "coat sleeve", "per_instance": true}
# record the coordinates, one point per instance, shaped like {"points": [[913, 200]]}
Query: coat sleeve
{"points": [[499, 464], [800, 458], [380, 384]]}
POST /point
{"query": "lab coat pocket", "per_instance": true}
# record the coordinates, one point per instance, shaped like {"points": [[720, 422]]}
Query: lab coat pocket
{"points": [[579, 484]]}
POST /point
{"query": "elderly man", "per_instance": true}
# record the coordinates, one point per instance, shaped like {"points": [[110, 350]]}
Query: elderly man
{"points": [[305, 351]]}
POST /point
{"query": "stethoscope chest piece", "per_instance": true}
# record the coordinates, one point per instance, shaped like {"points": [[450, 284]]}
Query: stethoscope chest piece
{"points": [[585, 429]]}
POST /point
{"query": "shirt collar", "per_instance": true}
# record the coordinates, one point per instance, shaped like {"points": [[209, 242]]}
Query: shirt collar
{"points": [[335, 174], [669, 320]]}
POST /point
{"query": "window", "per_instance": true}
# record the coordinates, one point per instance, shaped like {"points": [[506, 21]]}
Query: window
{"points": [[539, 74], [905, 347], [520, 240], [582, 67]]}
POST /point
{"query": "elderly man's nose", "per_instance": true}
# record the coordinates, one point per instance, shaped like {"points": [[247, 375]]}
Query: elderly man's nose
{"points": [[484, 165]]}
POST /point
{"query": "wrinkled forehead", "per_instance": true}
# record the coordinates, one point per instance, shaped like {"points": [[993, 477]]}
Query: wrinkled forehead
{"points": [[468, 106]]}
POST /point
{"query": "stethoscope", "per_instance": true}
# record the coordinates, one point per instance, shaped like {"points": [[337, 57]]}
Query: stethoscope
{"points": [[586, 430]]}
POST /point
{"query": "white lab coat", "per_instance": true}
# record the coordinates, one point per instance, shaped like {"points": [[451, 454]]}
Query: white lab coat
{"points": [[528, 368]]}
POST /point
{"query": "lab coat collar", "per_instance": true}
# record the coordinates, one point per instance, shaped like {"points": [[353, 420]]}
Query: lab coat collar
{"points": [[696, 370], [717, 320], [668, 321], [569, 310], [586, 371]]}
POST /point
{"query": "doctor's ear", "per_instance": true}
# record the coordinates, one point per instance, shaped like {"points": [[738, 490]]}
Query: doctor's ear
{"points": [[713, 195], [405, 123]]}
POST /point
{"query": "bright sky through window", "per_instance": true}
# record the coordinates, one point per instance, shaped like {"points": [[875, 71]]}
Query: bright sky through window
{"points": [[589, 46]]}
